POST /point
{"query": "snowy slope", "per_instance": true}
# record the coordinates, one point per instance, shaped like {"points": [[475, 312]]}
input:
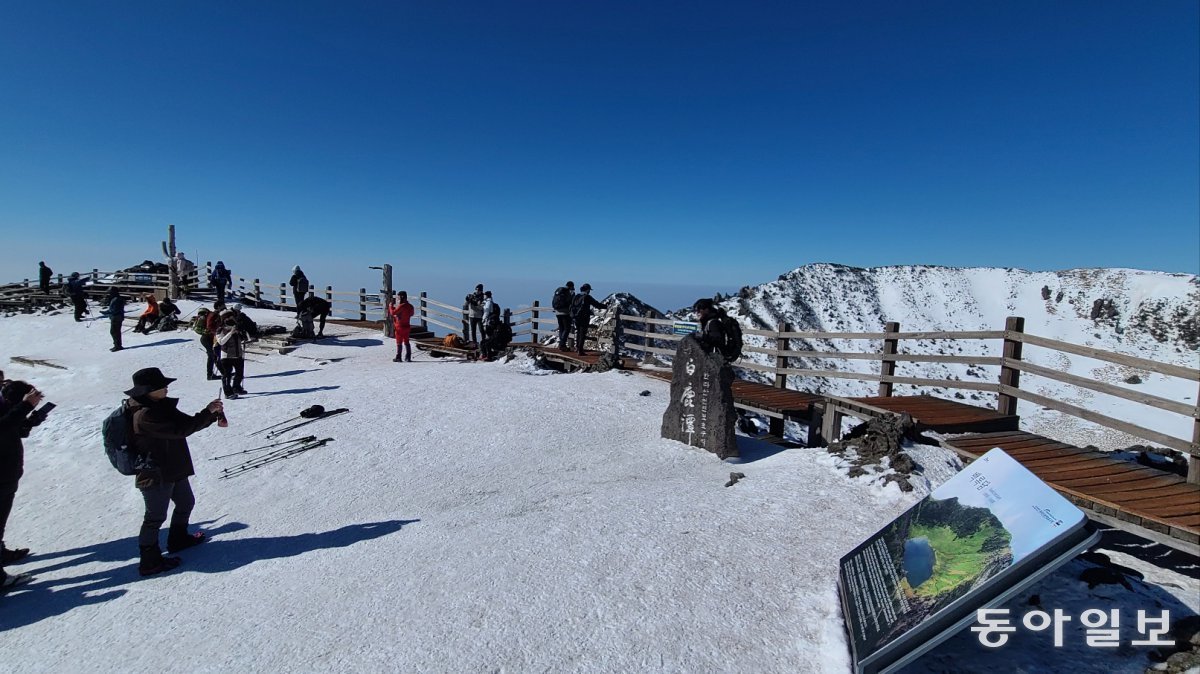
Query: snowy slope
{"points": [[1152, 315], [468, 517]]}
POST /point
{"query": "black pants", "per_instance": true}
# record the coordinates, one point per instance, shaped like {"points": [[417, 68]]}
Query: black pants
{"points": [[581, 330], [80, 306], [564, 329], [114, 329], [157, 499], [221, 292], [8, 490], [44, 286], [232, 371], [299, 296], [476, 325], [145, 322], [207, 342]]}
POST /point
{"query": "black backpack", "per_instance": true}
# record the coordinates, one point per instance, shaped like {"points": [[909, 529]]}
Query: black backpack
{"points": [[119, 443], [562, 299], [733, 337], [578, 305]]}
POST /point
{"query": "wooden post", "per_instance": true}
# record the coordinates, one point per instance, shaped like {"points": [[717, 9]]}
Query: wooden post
{"points": [[96, 274], [257, 291], [329, 295], [424, 311], [888, 366], [168, 248], [533, 326], [26, 283], [283, 295], [362, 304], [1193, 474], [388, 329], [776, 427], [207, 273], [831, 424], [1007, 404]]}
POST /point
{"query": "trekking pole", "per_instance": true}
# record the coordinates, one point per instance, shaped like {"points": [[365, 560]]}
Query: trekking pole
{"points": [[308, 438], [258, 463], [287, 429], [263, 430]]}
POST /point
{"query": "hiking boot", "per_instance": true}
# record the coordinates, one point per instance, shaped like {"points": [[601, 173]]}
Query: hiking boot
{"points": [[240, 391], [14, 579], [15, 555], [397, 359], [153, 561], [116, 348], [213, 377], [180, 539], [408, 359]]}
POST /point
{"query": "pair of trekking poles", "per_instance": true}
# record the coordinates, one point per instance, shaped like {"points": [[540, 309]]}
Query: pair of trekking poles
{"points": [[279, 452]]}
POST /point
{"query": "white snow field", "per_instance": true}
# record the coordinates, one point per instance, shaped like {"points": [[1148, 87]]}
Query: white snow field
{"points": [[468, 517]]}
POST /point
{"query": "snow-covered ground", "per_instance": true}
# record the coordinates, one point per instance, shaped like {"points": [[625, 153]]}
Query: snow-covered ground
{"points": [[468, 517]]}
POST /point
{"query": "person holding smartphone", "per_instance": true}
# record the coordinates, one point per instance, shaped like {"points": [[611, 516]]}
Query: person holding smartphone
{"points": [[17, 418]]}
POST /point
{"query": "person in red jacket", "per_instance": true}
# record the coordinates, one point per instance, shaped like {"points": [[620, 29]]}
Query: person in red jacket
{"points": [[149, 316], [400, 313]]}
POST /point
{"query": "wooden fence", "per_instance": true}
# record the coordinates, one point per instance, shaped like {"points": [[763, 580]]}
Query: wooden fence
{"points": [[1008, 389]]}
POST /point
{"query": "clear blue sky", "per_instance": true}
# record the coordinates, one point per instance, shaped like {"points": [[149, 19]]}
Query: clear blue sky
{"points": [[708, 143]]}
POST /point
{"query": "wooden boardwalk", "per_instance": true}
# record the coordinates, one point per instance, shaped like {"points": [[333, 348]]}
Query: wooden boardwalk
{"points": [[1163, 505]]}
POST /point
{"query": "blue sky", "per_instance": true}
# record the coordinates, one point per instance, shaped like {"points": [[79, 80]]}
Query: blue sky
{"points": [[698, 144]]}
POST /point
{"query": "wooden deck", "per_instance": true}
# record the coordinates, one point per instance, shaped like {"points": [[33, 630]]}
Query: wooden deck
{"points": [[1158, 505], [945, 416]]}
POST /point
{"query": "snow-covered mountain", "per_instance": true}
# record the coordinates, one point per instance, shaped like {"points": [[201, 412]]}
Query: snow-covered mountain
{"points": [[1148, 314]]}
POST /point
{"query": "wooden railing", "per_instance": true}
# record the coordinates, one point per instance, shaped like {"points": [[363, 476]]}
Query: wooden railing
{"points": [[1008, 389]]}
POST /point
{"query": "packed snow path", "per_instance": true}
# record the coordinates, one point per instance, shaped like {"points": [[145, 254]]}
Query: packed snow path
{"points": [[468, 517]]}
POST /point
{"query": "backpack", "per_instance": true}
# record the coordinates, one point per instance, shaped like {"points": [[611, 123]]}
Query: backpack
{"points": [[119, 444], [562, 300], [578, 304], [200, 325], [733, 337]]}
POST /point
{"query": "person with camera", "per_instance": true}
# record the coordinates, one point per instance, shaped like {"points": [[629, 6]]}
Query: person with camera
{"points": [[17, 418], [160, 430], [475, 313], [233, 355]]}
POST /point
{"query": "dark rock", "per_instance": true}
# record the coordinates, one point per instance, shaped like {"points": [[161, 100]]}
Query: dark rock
{"points": [[856, 471], [1133, 379], [1104, 310], [733, 479], [900, 480], [644, 393], [701, 411], [1046, 292], [1058, 297]]}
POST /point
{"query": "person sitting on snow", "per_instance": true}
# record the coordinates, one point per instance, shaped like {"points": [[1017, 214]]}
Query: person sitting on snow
{"points": [[149, 317]]}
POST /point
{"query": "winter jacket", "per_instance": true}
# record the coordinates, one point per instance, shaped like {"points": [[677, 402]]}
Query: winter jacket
{"points": [[116, 308], [168, 308], [231, 340], [212, 324], [299, 283], [401, 315], [75, 287], [581, 307], [44, 274], [475, 304], [315, 306], [712, 334], [161, 429], [488, 304], [220, 276], [151, 307], [14, 425]]}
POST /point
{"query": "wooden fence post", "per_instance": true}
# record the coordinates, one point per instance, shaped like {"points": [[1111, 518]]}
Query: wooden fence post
{"points": [[424, 311], [207, 273], [618, 332], [507, 316], [96, 274], [776, 427], [362, 304], [1193, 474], [257, 292], [282, 294], [533, 327], [389, 329], [1009, 376], [887, 367], [26, 283]]}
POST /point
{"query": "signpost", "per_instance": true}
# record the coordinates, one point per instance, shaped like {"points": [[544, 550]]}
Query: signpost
{"points": [[983, 536], [685, 328]]}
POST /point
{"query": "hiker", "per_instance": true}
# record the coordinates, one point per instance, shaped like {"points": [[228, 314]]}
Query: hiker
{"points": [[200, 327], [183, 270], [233, 355], [299, 283], [17, 417], [168, 316], [400, 313], [561, 303], [149, 317], [499, 337], [220, 278], [486, 325], [581, 314], [244, 323], [712, 335], [116, 316], [160, 430], [44, 274], [213, 324], [317, 307], [475, 312], [75, 290]]}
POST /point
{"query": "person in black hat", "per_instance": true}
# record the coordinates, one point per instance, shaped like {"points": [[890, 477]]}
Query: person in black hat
{"points": [[44, 274], [712, 333], [17, 418], [581, 313], [78, 294], [475, 312], [160, 429]]}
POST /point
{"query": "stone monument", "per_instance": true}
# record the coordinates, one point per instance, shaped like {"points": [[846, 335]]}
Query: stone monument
{"points": [[701, 410]]}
